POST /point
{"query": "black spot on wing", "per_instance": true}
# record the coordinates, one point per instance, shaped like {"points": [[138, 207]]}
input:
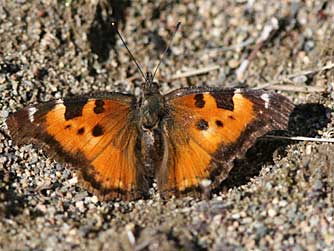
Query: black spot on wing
{"points": [[97, 130], [99, 106], [199, 100], [202, 125], [224, 99], [81, 131], [219, 123], [74, 108]]}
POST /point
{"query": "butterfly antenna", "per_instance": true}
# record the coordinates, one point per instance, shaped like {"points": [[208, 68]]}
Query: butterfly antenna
{"points": [[167, 48], [131, 55]]}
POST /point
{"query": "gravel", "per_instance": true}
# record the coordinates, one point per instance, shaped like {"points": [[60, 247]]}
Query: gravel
{"points": [[279, 197]]}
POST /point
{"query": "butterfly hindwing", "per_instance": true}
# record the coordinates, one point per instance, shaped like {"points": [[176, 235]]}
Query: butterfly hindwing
{"points": [[207, 129], [96, 135]]}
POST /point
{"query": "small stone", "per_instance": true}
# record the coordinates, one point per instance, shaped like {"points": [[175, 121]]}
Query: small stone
{"points": [[4, 114], [2, 79], [80, 205], [233, 63], [236, 216], [309, 45], [206, 183], [300, 79], [272, 212], [41, 207], [283, 203], [94, 199], [73, 181], [308, 149]]}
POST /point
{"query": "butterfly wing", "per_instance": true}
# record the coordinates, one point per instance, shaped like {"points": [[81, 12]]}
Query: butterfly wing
{"points": [[96, 135], [206, 129]]}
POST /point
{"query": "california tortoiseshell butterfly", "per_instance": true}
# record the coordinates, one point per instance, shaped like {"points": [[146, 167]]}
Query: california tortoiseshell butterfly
{"points": [[118, 143]]}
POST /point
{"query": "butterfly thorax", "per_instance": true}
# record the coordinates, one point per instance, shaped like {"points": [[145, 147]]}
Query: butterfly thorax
{"points": [[152, 107]]}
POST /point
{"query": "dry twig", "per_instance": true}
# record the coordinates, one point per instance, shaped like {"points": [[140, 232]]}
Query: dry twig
{"points": [[269, 30], [274, 85], [301, 138], [295, 88], [194, 72], [214, 51]]}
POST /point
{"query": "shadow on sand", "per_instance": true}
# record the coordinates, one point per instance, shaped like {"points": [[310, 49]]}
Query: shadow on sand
{"points": [[305, 120]]}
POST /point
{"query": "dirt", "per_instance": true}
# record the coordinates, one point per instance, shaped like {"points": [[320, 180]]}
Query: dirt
{"points": [[279, 197]]}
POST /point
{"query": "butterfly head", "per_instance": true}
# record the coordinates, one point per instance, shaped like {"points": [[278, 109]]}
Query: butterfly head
{"points": [[149, 86]]}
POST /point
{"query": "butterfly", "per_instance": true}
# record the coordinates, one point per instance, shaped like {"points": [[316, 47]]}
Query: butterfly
{"points": [[119, 144]]}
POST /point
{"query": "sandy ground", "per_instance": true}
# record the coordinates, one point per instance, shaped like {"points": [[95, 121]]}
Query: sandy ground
{"points": [[280, 197]]}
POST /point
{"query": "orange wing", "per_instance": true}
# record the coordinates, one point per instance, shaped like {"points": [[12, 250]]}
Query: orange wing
{"points": [[207, 129], [97, 136]]}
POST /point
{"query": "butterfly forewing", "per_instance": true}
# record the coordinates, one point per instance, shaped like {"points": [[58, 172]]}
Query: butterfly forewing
{"points": [[96, 135], [207, 129]]}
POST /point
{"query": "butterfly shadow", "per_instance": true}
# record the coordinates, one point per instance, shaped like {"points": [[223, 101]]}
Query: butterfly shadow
{"points": [[11, 204], [305, 120], [101, 34]]}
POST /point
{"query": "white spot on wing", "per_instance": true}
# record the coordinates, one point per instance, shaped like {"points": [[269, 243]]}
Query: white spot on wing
{"points": [[59, 101], [31, 112], [209, 132], [265, 97]]}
